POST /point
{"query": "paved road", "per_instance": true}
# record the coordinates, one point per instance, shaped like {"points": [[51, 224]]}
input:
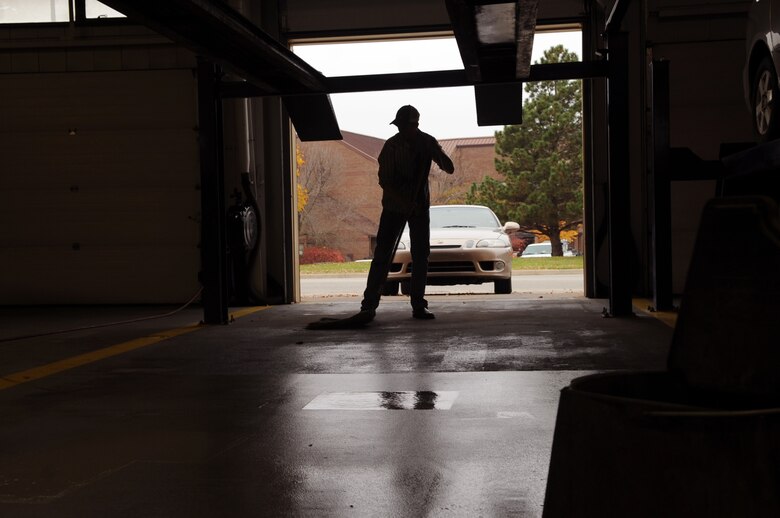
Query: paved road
{"points": [[526, 282]]}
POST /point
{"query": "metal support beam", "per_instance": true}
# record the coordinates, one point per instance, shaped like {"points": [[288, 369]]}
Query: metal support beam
{"points": [[525, 27], [461, 15], [494, 37], [619, 9], [213, 241], [214, 30], [224, 36], [313, 117], [435, 79], [499, 104], [660, 190], [620, 245]]}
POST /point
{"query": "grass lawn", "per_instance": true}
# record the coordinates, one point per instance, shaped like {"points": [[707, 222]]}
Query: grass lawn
{"points": [[530, 263]]}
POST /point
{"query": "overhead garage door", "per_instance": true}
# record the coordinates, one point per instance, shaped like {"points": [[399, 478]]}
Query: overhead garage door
{"points": [[99, 198]]}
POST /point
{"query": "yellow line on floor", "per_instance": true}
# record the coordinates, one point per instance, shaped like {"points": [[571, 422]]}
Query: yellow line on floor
{"points": [[667, 317], [246, 311], [43, 371]]}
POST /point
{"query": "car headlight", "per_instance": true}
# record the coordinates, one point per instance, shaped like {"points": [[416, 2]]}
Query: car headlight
{"points": [[491, 243], [401, 246]]}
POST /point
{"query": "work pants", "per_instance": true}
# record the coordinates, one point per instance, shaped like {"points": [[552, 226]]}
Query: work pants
{"points": [[391, 224]]}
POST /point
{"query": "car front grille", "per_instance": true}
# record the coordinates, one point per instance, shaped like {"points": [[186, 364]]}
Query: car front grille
{"points": [[449, 267], [444, 247]]}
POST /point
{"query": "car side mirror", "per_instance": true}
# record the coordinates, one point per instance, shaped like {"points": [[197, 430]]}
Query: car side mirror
{"points": [[511, 226]]}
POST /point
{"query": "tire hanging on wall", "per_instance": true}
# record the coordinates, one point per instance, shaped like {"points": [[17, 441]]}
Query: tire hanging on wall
{"points": [[243, 239]]}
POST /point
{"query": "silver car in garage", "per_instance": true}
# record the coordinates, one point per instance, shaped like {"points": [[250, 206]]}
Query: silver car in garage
{"points": [[760, 80], [468, 246]]}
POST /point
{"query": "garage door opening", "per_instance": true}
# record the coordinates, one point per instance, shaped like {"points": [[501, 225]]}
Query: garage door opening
{"points": [[338, 202]]}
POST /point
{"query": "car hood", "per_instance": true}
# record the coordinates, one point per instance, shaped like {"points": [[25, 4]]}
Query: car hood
{"points": [[456, 236]]}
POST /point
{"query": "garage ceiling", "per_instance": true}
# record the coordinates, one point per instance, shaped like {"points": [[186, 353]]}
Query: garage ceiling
{"points": [[495, 39]]}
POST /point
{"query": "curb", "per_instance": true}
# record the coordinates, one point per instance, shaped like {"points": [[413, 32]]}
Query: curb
{"points": [[514, 273]]}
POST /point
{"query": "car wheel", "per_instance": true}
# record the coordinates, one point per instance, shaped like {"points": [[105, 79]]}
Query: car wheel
{"points": [[766, 102], [390, 288], [406, 287], [503, 286]]}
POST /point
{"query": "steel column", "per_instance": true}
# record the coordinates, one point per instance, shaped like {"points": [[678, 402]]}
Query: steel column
{"points": [[660, 190], [620, 246], [213, 242]]}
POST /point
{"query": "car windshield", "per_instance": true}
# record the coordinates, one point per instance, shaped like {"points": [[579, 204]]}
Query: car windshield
{"points": [[463, 217]]}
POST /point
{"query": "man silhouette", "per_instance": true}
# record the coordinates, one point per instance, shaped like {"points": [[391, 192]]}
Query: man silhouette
{"points": [[404, 166]]}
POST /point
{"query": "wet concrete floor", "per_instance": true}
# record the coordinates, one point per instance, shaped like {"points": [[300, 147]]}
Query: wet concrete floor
{"points": [[450, 417]]}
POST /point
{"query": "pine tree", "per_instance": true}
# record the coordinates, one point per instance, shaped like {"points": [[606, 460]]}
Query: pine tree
{"points": [[540, 160]]}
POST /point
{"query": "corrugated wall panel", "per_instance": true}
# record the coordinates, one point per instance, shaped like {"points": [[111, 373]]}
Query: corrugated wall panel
{"points": [[119, 217], [100, 159], [97, 275], [100, 100], [99, 199]]}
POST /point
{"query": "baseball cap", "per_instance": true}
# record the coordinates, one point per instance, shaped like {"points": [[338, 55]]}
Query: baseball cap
{"points": [[406, 114]]}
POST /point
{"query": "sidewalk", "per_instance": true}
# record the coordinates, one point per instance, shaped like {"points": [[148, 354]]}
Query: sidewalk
{"points": [[573, 271]]}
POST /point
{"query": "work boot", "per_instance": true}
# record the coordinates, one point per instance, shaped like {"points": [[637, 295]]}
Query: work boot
{"points": [[423, 314]]}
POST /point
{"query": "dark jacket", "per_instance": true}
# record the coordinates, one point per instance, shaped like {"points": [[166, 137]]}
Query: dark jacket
{"points": [[403, 172]]}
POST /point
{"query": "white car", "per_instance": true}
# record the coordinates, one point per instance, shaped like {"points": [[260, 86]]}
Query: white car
{"points": [[543, 249], [538, 250], [468, 246], [762, 60]]}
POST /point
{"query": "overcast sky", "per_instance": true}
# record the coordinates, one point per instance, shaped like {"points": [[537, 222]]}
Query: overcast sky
{"points": [[444, 112]]}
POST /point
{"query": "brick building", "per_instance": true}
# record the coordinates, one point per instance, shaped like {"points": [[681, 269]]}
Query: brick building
{"points": [[343, 210]]}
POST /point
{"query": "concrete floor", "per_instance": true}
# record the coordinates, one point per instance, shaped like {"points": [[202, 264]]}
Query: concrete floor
{"points": [[217, 421]]}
